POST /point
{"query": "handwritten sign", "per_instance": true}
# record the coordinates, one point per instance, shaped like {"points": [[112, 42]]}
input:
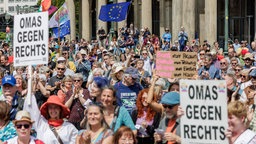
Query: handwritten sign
{"points": [[205, 105], [176, 64]]}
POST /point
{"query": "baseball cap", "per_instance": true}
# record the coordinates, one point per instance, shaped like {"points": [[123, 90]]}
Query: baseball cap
{"points": [[9, 80]]}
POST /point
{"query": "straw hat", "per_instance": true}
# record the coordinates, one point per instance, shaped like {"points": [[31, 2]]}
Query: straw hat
{"points": [[23, 116]]}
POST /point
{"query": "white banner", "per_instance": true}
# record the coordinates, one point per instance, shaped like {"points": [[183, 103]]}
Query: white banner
{"points": [[30, 39], [205, 104]]}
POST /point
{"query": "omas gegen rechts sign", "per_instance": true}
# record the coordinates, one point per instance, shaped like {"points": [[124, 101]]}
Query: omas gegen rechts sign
{"points": [[205, 105], [30, 39]]}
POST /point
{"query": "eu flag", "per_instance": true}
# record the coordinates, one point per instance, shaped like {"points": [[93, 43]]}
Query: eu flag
{"points": [[64, 30], [114, 12]]}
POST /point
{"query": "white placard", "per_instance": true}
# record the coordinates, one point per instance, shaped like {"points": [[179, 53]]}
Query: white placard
{"points": [[205, 104], [30, 39]]}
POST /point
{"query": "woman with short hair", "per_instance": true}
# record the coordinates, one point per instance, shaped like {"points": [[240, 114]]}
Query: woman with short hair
{"points": [[124, 135]]}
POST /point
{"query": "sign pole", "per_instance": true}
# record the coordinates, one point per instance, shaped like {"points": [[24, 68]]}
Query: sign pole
{"points": [[29, 83]]}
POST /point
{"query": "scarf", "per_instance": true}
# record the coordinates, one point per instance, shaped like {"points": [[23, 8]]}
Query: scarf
{"points": [[55, 123]]}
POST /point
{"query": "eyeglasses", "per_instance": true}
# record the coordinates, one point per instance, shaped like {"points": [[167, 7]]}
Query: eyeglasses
{"points": [[77, 80], [237, 69], [47, 71], [222, 63], [247, 59], [169, 106], [243, 76], [202, 54], [61, 69], [64, 53], [144, 53], [234, 63], [26, 126]]}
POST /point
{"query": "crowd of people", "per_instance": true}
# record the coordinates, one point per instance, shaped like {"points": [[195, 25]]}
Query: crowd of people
{"points": [[107, 91]]}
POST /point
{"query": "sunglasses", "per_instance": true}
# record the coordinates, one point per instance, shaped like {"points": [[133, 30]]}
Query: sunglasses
{"points": [[26, 126], [144, 53], [77, 80], [201, 53], [243, 76], [47, 71], [237, 69], [61, 69], [169, 106], [234, 63], [247, 59], [64, 53], [223, 63]]}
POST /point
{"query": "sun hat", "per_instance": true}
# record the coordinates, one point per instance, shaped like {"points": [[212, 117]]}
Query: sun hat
{"points": [[82, 51], [171, 98], [22, 116], [61, 59], [53, 99], [132, 71], [248, 55]]}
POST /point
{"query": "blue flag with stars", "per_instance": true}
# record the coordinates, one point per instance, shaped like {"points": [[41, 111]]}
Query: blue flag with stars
{"points": [[114, 12], [64, 30]]}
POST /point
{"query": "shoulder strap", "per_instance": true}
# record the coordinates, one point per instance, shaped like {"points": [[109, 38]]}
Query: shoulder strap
{"points": [[56, 134], [115, 117]]}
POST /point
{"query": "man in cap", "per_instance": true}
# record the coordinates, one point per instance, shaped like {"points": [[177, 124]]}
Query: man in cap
{"points": [[9, 94], [68, 71], [66, 54], [169, 128], [83, 66], [248, 60], [167, 36], [127, 89]]}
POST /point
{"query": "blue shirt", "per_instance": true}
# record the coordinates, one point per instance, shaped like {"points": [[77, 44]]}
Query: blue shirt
{"points": [[127, 95]]}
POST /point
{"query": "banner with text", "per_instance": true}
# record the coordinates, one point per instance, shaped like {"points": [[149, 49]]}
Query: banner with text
{"points": [[30, 39], [205, 105], [176, 64]]}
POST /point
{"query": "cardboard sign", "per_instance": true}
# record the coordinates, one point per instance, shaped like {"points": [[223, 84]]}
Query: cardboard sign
{"points": [[30, 39], [205, 105], [176, 64]]}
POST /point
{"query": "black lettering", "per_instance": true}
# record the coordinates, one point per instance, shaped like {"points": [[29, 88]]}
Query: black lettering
{"points": [[33, 51], [28, 22], [24, 36], [200, 135], [210, 112], [186, 131], [27, 51], [22, 23], [203, 113], [191, 89], [33, 22], [207, 93], [218, 113], [189, 112], [30, 36], [38, 49], [222, 132], [39, 21], [43, 49], [207, 132], [19, 37], [193, 131], [214, 90], [17, 53], [22, 51], [41, 35], [199, 92], [215, 131], [196, 112]]}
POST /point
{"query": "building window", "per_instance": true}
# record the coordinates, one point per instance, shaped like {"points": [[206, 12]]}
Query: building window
{"points": [[11, 8], [11, 1]]}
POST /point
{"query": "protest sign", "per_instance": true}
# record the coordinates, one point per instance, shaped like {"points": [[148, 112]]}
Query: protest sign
{"points": [[205, 105], [30, 39], [176, 64]]}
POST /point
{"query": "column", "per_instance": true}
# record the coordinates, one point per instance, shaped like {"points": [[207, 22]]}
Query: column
{"points": [[99, 22], [124, 22], [211, 20], [176, 18], [146, 14], [85, 19], [136, 16], [71, 9], [202, 34], [162, 17], [188, 19]]}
